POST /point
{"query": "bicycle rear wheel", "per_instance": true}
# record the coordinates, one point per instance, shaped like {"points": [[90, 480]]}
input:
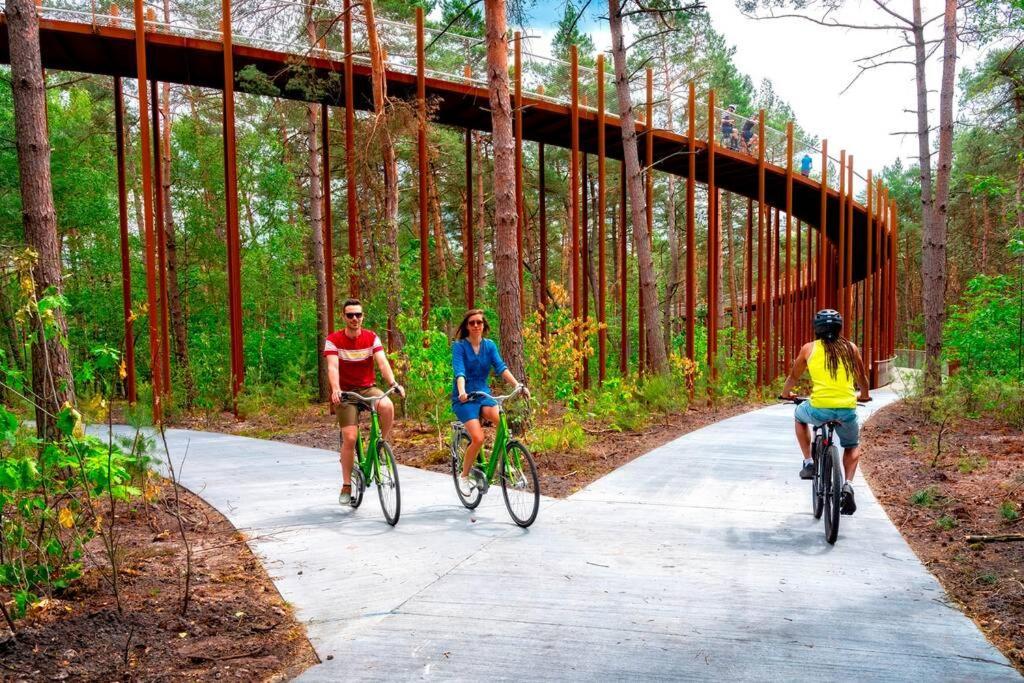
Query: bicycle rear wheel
{"points": [[833, 484], [520, 484], [358, 485], [458, 452], [387, 483], [817, 490]]}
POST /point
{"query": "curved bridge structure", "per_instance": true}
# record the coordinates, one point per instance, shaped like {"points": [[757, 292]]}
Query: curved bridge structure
{"points": [[847, 262]]}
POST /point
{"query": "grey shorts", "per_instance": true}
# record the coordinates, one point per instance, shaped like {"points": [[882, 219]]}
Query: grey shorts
{"points": [[848, 430]]}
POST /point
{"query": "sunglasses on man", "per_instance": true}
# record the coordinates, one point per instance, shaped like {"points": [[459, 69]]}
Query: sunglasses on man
{"points": [[353, 316]]}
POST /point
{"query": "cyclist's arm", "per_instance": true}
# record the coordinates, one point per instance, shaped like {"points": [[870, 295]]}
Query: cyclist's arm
{"points": [[862, 376], [459, 368], [799, 367], [332, 378], [385, 368]]}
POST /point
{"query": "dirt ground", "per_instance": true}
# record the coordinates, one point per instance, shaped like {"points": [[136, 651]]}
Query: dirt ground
{"points": [[236, 627], [938, 502], [561, 472]]}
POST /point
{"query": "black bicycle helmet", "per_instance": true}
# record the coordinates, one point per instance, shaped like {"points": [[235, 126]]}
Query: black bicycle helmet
{"points": [[828, 324]]}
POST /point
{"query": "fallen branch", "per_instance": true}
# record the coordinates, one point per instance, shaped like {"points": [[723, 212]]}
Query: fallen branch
{"points": [[995, 538]]}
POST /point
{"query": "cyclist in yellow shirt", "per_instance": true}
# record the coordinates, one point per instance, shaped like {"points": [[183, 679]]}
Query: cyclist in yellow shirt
{"points": [[835, 364]]}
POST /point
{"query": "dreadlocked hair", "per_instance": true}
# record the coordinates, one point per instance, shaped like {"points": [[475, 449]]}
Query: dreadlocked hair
{"points": [[838, 349]]}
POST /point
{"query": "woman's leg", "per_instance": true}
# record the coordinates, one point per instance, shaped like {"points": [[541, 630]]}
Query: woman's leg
{"points": [[476, 436]]}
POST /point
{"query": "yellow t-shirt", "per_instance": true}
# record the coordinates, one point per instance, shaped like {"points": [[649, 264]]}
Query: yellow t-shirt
{"points": [[829, 392]]}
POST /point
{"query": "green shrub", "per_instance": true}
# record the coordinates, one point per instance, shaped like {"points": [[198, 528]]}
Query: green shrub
{"points": [[982, 330], [926, 497], [568, 436], [946, 522], [971, 463], [1009, 511]]}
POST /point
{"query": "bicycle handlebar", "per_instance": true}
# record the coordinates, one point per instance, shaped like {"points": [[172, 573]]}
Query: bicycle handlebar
{"points": [[368, 400], [797, 400], [473, 395]]}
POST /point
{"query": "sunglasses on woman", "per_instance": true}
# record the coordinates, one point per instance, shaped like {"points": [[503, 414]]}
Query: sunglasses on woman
{"points": [[475, 323]]}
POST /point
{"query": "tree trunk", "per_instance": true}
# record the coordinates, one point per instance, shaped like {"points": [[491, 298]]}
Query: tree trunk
{"points": [[51, 370], [440, 236], [390, 270], [733, 285], [481, 223], [316, 222], [656, 359], [506, 258]]}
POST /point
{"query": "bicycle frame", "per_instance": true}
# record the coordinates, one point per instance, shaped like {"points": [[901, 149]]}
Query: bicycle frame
{"points": [[364, 461], [502, 438]]}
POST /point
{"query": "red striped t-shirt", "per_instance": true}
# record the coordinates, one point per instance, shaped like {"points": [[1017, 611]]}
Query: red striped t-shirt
{"points": [[355, 357]]}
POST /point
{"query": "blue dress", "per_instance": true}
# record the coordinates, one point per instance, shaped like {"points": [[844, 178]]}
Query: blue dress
{"points": [[476, 368]]}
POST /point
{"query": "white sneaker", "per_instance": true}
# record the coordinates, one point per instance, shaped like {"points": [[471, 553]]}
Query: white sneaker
{"points": [[466, 485], [345, 498]]}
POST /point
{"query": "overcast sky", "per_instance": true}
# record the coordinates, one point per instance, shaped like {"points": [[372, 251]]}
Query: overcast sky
{"points": [[810, 66]]}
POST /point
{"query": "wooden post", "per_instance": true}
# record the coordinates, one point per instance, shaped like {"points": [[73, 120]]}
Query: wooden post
{"points": [[574, 193], [691, 229], [126, 266], [350, 161], [761, 253], [421, 156], [712, 318], [328, 222], [868, 289], [602, 332], [787, 311], [822, 300], [231, 213], [847, 253], [518, 133], [840, 293], [161, 243], [147, 197], [623, 279]]}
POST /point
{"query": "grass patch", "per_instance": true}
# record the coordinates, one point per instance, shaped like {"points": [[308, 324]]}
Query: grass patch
{"points": [[971, 463], [565, 437], [1009, 511], [926, 497], [986, 578], [946, 522]]}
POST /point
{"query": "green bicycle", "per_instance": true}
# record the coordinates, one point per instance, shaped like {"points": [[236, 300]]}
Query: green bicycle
{"points": [[376, 462], [520, 485]]}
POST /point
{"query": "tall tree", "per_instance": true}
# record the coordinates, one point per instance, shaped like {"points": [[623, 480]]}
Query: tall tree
{"points": [[657, 359], [51, 369], [506, 257], [316, 218]]}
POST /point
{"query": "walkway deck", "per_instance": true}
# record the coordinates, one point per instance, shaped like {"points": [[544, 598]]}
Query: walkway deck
{"points": [[698, 560]]}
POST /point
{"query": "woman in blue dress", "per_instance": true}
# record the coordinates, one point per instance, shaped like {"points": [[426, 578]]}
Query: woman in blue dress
{"points": [[474, 356]]}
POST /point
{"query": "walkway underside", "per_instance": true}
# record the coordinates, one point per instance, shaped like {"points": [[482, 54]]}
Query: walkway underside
{"points": [[110, 51], [698, 561]]}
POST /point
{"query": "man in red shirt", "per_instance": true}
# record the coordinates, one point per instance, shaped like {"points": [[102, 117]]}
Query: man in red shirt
{"points": [[351, 353]]}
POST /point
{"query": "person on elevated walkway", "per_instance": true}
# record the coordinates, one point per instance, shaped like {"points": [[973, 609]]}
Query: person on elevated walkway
{"points": [[474, 356], [834, 363], [351, 353]]}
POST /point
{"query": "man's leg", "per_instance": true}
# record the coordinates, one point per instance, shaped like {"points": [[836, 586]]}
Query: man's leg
{"points": [[386, 412], [803, 436], [348, 452], [851, 457]]}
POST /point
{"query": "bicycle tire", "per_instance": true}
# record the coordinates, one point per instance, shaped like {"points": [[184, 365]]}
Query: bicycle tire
{"points": [[388, 490], [358, 485], [817, 490], [523, 480], [458, 449], [833, 494]]}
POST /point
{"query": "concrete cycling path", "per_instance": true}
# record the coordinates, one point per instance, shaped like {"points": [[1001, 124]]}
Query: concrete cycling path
{"points": [[698, 560]]}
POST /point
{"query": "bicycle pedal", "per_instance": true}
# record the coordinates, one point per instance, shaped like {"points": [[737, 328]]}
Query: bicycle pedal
{"points": [[479, 480]]}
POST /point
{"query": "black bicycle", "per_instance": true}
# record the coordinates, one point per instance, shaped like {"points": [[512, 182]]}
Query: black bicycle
{"points": [[827, 486]]}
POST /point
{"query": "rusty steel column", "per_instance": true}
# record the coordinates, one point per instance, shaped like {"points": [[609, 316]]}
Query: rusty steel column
{"points": [[421, 156], [691, 229], [748, 263], [868, 290], [841, 273], [574, 195], [161, 241], [518, 123], [893, 251], [147, 198], [776, 340], [712, 318], [822, 300], [602, 333], [328, 227], [350, 160], [805, 333], [623, 279], [126, 266], [761, 251], [231, 213], [543, 242], [585, 258], [787, 311], [876, 267], [848, 251], [798, 298]]}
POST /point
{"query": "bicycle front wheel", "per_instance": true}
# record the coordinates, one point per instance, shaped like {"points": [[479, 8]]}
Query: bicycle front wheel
{"points": [[833, 484], [358, 485], [519, 484], [470, 499], [387, 483]]}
